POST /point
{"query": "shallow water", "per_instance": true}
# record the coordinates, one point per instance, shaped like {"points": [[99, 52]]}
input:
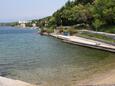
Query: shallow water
{"points": [[27, 56]]}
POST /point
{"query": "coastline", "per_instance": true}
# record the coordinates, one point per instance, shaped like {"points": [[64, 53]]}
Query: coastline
{"points": [[102, 79], [86, 42], [10, 82]]}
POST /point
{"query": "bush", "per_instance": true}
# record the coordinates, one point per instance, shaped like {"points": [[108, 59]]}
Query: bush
{"points": [[98, 23], [61, 30], [72, 31], [43, 30], [50, 30]]}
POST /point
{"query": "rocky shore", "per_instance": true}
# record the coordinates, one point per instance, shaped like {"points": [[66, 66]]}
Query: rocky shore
{"points": [[10, 82]]}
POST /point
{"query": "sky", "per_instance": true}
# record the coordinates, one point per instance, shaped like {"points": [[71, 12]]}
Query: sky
{"points": [[14, 10]]}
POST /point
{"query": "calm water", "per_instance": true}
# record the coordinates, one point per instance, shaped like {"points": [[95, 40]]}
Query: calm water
{"points": [[27, 56]]}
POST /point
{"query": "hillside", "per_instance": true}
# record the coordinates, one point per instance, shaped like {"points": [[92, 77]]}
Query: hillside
{"points": [[86, 14]]}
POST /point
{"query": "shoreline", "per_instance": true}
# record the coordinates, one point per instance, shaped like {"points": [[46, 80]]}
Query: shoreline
{"points": [[86, 42], [101, 79], [10, 82], [106, 78]]}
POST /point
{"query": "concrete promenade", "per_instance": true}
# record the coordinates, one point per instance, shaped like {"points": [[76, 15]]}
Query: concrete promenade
{"points": [[86, 42]]}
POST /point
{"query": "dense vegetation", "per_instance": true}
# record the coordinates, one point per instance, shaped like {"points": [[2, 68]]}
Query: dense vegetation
{"points": [[96, 15], [91, 14]]}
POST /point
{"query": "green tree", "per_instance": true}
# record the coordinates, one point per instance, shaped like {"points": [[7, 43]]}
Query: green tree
{"points": [[97, 23], [84, 1], [104, 11]]}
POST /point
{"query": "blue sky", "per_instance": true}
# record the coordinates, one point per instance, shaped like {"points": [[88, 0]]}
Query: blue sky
{"points": [[13, 10]]}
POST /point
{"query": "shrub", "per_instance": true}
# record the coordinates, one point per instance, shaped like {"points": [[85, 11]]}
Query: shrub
{"points": [[72, 31], [50, 30]]}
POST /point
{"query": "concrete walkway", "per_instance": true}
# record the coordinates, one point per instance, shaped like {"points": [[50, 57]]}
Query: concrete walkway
{"points": [[11, 82], [87, 42]]}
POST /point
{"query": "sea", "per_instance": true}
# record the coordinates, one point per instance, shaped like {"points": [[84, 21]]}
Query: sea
{"points": [[43, 60]]}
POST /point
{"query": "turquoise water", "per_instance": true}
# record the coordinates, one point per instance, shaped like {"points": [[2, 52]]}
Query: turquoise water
{"points": [[27, 56]]}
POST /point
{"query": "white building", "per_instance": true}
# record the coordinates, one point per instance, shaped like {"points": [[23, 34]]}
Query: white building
{"points": [[23, 23], [34, 25]]}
